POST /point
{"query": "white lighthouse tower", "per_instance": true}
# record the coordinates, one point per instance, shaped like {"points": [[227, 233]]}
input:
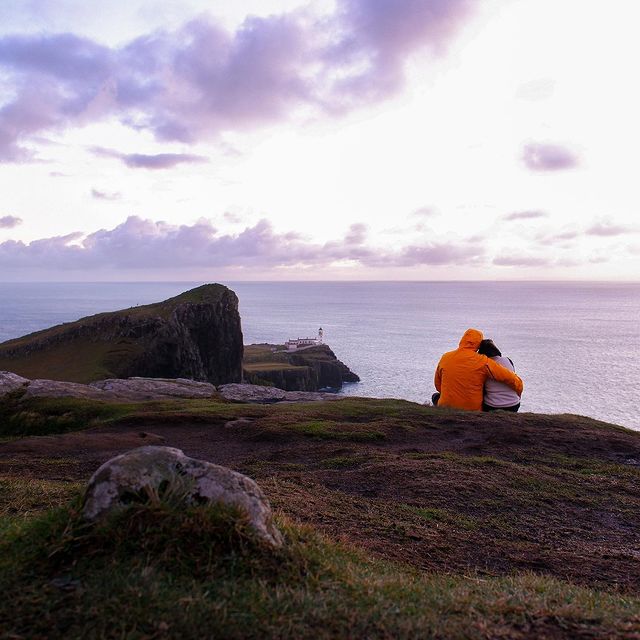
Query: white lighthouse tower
{"points": [[320, 335]]}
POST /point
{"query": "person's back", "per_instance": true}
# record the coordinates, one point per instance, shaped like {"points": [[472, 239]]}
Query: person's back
{"points": [[498, 395], [461, 375]]}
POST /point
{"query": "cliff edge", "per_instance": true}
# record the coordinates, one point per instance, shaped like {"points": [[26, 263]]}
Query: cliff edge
{"points": [[195, 335], [308, 369]]}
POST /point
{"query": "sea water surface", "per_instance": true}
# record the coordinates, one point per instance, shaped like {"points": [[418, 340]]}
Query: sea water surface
{"points": [[576, 345]]}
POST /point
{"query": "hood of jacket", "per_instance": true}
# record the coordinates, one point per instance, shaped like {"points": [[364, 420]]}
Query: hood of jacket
{"points": [[471, 339]]}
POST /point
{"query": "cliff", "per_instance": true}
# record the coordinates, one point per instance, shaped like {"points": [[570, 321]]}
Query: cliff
{"points": [[194, 335], [308, 369]]}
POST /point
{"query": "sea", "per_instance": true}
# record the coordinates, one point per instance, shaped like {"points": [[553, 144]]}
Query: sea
{"points": [[575, 345]]}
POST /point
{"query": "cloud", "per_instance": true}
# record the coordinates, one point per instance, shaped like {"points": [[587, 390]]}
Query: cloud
{"points": [[525, 215], [104, 195], [425, 212], [548, 157], [201, 79], [10, 222], [231, 217], [517, 260], [144, 161], [606, 228], [138, 243]]}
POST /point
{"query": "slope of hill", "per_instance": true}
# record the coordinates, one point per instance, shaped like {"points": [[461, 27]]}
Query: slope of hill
{"points": [[402, 521]]}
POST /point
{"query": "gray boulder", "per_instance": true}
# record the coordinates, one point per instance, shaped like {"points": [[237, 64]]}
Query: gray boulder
{"points": [[11, 382], [145, 470], [267, 395], [154, 388]]}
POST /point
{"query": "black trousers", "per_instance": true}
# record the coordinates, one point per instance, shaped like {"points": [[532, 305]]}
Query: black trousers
{"points": [[485, 407], [513, 409]]}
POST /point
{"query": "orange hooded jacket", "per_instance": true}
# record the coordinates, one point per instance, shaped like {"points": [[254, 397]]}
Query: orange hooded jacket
{"points": [[461, 374]]}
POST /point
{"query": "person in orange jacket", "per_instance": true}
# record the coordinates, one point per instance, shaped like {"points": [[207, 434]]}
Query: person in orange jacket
{"points": [[461, 374]]}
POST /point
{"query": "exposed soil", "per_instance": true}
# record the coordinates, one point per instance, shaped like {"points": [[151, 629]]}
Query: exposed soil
{"points": [[447, 492]]}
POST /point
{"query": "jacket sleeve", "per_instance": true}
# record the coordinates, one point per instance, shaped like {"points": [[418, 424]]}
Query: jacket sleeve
{"points": [[437, 378], [502, 374]]}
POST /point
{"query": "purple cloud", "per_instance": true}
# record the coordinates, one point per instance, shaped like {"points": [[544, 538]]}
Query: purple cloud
{"points": [[144, 161], [144, 244], [200, 80], [105, 195], [548, 157], [425, 212], [525, 215], [516, 260], [377, 37], [10, 222], [606, 228]]}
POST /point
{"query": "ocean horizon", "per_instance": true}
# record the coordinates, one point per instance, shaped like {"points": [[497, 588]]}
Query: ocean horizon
{"points": [[574, 343]]}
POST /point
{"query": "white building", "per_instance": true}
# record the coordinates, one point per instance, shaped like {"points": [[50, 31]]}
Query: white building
{"points": [[298, 343]]}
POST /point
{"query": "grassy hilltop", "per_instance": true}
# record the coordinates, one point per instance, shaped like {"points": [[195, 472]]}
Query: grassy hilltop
{"points": [[401, 521]]}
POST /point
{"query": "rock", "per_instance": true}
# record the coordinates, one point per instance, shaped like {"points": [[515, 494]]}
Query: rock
{"points": [[155, 388], [144, 470], [196, 335], [56, 389], [238, 423], [131, 389], [11, 382], [307, 369], [268, 395]]}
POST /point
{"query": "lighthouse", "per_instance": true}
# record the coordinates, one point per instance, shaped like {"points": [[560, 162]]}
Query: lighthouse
{"points": [[320, 335]]}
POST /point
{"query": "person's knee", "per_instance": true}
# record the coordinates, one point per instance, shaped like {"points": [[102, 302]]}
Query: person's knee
{"points": [[435, 398]]}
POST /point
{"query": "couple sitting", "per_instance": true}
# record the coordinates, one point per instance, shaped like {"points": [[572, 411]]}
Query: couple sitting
{"points": [[476, 377]]}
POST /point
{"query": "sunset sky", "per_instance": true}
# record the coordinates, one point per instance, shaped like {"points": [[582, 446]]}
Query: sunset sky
{"points": [[346, 139]]}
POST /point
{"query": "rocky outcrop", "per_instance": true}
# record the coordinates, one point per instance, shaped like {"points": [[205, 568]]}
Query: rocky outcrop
{"points": [[196, 335], [154, 388], [148, 474], [260, 394], [307, 369], [10, 382], [135, 389]]}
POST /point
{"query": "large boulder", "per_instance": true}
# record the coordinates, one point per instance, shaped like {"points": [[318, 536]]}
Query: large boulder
{"points": [[10, 382], [155, 471]]}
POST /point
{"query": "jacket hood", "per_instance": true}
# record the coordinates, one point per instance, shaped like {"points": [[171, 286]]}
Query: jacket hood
{"points": [[471, 339]]}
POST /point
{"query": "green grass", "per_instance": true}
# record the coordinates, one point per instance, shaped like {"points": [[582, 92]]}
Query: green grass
{"points": [[327, 430], [42, 416], [151, 571], [23, 497]]}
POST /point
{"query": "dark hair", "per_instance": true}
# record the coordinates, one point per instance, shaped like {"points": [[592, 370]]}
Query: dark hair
{"points": [[487, 348]]}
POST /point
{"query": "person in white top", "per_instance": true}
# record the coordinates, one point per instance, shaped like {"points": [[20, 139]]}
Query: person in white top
{"points": [[496, 394]]}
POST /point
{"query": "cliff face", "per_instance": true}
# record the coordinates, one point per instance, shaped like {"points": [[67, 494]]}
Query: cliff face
{"points": [[195, 335], [308, 369]]}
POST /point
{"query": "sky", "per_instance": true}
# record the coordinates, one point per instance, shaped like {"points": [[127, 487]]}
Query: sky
{"points": [[319, 140]]}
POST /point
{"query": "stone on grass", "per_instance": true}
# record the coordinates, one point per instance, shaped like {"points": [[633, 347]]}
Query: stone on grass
{"points": [[11, 382], [151, 470]]}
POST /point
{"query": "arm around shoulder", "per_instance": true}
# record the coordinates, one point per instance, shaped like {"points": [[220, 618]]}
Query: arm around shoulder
{"points": [[502, 374]]}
